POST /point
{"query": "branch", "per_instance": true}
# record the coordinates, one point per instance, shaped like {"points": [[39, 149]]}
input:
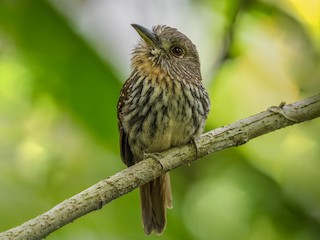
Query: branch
{"points": [[234, 15], [105, 191]]}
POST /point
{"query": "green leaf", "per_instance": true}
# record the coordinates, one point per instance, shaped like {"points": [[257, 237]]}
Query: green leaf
{"points": [[64, 65]]}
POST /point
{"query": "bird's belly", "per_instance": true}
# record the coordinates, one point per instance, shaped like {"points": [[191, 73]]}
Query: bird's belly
{"points": [[163, 120], [174, 131], [169, 123]]}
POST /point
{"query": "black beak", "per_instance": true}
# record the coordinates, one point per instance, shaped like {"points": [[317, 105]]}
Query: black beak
{"points": [[147, 35]]}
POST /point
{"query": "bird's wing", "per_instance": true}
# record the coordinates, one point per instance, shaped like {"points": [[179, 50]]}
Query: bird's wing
{"points": [[125, 150]]}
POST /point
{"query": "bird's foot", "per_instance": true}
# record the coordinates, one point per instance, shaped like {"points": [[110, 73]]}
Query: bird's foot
{"points": [[194, 142], [155, 156]]}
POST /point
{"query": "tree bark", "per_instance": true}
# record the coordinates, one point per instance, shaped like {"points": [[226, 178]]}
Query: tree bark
{"points": [[103, 192]]}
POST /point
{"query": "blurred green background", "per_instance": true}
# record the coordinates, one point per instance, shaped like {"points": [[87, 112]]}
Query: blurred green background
{"points": [[62, 64]]}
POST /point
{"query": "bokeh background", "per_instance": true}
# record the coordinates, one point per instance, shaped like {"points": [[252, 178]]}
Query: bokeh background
{"points": [[62, 64]]}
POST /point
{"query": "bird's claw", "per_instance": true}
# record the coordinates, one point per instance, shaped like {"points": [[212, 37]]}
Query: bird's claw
{"points": [[194, 142], [154, 156]]}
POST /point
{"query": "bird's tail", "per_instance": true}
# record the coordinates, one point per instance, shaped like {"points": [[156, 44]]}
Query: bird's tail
{"points": [[155, 198]]}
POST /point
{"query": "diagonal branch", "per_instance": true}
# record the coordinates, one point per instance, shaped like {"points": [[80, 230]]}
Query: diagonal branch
{"points": [[105, 191]]}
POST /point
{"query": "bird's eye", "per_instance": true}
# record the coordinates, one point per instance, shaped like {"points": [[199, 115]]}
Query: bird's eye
{"points": [[177, 51]]}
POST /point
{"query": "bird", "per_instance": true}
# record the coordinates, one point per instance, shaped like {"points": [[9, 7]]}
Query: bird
{"points": [[163, 104]]}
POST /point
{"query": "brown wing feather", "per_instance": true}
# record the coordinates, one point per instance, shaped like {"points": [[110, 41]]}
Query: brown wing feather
{"points": [[125, 151]]}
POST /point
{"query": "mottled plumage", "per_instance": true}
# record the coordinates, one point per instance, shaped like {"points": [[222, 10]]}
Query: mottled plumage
{"points": [[163, 104]]}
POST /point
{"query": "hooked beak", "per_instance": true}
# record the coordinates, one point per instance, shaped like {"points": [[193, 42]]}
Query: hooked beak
{"points": [[148, 36]]}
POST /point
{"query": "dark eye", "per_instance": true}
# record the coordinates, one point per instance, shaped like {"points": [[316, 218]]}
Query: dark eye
{"points": [[177, 51]]}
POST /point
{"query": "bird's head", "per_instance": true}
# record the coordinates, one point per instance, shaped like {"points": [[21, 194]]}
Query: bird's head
{"points": [[165, 50]]}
